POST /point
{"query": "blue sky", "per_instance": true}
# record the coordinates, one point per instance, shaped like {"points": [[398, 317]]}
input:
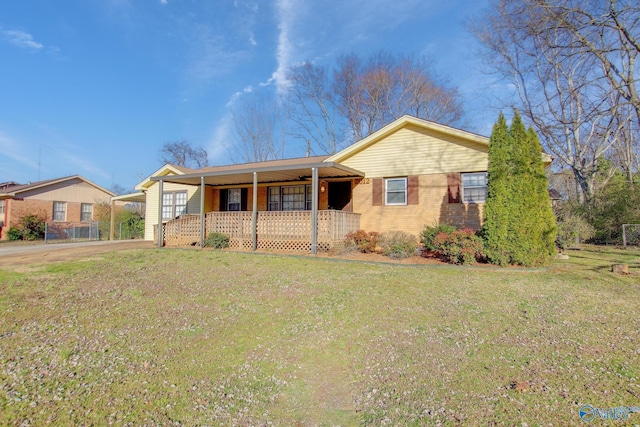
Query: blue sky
{"points": [[95, 87]]}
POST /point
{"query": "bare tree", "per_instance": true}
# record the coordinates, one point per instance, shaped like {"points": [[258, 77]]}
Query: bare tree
{"points": [[423, 95], [559, 87], [182, 153], [609, 30], [257, 123], [361, 96], [311, 107], [348, 95], [373, 93]]}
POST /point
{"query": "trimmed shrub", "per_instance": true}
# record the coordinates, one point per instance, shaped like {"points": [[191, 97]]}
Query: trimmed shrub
{"points": [[217, 241], [362, 241], [429, 233], [572, 229], [33, 227], [14, 234], [398, 244], [459, 246]]}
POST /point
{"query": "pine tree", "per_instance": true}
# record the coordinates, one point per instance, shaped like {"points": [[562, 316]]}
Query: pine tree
{"points": [[497, 208]]}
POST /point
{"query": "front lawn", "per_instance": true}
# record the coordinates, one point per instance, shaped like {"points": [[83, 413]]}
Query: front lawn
{"points": [[183, 337]]}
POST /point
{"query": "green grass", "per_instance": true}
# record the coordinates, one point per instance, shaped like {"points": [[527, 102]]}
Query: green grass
{"points": [[181, 337]]}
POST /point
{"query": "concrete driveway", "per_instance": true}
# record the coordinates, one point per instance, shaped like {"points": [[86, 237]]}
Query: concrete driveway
{"points": [[12, 255]]}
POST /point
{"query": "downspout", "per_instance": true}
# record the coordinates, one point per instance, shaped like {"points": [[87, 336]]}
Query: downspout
{"points": [[201, 212], [254, 214], [160, 191], [314, 211]]}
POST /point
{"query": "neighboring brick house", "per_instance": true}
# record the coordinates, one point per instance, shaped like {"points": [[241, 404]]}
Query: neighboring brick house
{"points": [[63, 201]]}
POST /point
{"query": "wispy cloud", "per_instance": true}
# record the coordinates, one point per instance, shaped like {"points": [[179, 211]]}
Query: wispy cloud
{"points": [[237, 95], [286, 19], [220, 143], [164, 2], [210, 55], [87, 166], [21, 39], [12, 149]]}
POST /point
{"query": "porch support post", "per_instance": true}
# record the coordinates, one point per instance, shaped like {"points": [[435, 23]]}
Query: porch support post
{"points": [[160, 191], [112, 224], [314, 210], [201, 212], [254, 214]]}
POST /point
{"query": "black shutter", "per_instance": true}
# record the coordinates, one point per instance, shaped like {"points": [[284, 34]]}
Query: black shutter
{"points": [[224, 197], [243, 198]]}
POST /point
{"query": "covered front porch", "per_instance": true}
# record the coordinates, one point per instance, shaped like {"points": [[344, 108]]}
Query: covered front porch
{"points": [[276, 231], [256, 222]]}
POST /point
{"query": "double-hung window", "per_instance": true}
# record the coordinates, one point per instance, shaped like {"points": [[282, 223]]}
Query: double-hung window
{"points": [[174, 204], [234, 200], [86, 212], [474, 187], [59, 211], [290, 198], [293, 198], [395, 191], [274, 199]]}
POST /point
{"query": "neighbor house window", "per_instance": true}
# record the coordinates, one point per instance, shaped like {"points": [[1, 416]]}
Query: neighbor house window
{"points": [[86, 212], [59, 211], [474, 187], [2, 206], [395, 191], [234, 199], [174, 204]]}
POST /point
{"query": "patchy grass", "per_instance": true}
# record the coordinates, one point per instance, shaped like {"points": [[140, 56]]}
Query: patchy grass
{"points": [[182, 337]]}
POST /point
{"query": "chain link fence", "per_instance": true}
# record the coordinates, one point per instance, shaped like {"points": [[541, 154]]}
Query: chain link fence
{"points": [[94, 230], [56, 232], [630, 234]]}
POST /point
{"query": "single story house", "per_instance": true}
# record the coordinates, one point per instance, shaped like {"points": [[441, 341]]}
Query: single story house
{"points": [[65, 201], [410, 173]]}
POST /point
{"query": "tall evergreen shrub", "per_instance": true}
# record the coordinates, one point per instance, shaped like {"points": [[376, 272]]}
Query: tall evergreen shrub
{"points": [[519, 223], [499, 205]]}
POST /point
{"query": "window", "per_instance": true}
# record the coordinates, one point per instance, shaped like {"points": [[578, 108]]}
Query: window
{"points": [[59, 211], [174, 204], [234, 200], [290, 198], [274, 199], [474, 187], [2, 206], [293, 198], [395, 191], [309, 197], [86, 212], [167, 205], [180, 203]]}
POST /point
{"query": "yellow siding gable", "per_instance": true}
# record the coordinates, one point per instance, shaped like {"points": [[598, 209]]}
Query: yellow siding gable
{"points": [[415, 150], [151, 214]]}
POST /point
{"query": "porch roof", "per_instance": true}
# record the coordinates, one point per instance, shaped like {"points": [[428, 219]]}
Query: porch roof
{"points": [[272, 171]]}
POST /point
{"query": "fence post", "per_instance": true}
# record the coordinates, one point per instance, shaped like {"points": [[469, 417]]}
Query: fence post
{"points": [[624, 236], [46, 231]]}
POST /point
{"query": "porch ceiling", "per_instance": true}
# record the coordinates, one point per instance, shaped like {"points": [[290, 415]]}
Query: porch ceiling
{"points": [[266, 174]]}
